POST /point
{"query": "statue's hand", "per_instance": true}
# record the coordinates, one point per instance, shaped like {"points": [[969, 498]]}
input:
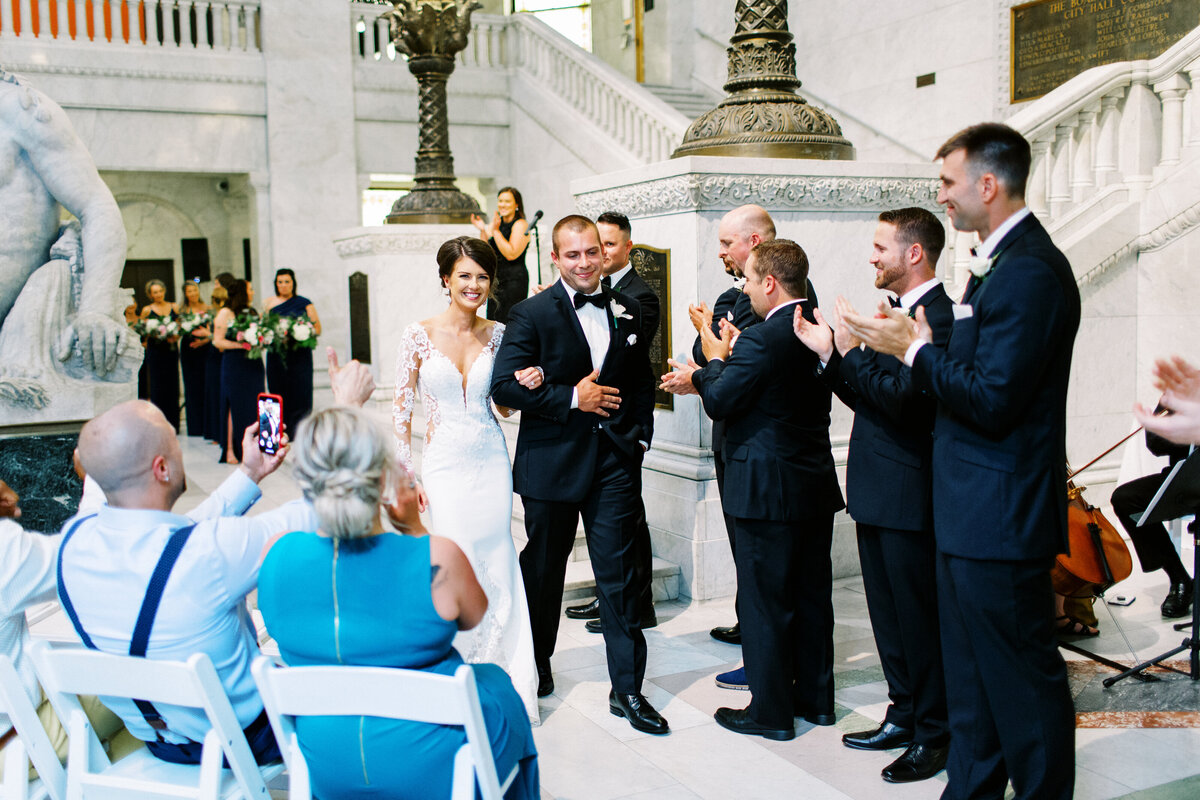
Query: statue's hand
{"points": [[101, 340]]}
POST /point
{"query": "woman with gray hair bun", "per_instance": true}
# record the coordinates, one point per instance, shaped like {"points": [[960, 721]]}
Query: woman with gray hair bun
{"points": [[354, 592]]}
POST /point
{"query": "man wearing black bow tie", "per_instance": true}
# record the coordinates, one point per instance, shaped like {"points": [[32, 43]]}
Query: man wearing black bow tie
{"points": [[579, 452], [999, 472], [889, 494]]}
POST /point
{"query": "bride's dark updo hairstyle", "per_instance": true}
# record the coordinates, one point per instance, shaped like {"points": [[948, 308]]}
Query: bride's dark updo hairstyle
{"points": [[471, 247]]}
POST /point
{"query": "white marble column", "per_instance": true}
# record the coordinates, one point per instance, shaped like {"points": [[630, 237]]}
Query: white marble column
{"points": [[311, 150]]}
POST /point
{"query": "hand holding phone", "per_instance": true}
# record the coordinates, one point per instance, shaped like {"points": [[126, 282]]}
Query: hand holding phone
{"points": [[270, 423]]}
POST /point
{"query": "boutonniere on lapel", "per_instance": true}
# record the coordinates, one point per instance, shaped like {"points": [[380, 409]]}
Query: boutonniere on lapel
{"points": [[618, 312], [632, 340], [980, 266]]}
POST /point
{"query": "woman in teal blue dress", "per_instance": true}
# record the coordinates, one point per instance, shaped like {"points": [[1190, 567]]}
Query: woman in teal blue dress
{"points": [[354, 593]]}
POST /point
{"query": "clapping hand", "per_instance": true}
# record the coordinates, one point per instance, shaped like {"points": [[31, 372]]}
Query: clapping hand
{"points": [[9, 502], [817, 337], [352, 385], [679, 381], [890, 331], [701, 316], [597, 399], [404, 508], [718, 348], [1179, 382]]}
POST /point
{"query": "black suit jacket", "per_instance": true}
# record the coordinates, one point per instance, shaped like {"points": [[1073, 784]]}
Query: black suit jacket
{"points": [[556, 445], [734, 305], [999, 449], [634, 286], [778, 464], [889, 471]]}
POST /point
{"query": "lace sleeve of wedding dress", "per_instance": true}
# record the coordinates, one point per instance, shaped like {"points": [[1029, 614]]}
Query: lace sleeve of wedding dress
{"points": [[414, 346]]}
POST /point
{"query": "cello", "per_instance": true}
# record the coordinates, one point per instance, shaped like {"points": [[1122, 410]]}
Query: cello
{"points": [[1098, 557]]}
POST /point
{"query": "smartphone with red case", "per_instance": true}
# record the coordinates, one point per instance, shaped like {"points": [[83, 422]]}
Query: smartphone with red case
{"points": [[270, 423]]}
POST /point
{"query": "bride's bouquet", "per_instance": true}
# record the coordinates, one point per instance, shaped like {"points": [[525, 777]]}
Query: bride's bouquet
{"points": [[159, 330], [253, 331], [191, 320]]}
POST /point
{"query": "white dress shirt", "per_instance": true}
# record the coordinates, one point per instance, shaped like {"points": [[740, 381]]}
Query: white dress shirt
{"points": [[984, 250], [909, 298], [26, 578], [619, 275], [107, 567], [594, 322]]}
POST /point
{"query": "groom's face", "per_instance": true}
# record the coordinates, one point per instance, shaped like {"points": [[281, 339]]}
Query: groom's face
{"points": [[579, 259]]}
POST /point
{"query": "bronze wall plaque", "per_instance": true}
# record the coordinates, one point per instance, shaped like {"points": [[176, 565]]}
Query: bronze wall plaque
{"points": [[1055, 40], [654, 266], [360, 317]]}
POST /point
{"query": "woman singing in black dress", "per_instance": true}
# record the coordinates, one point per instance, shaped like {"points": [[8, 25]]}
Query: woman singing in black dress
{"points": [[193, 360], [291, 376], [509, 238], [242, 377], [162, 355], [212, 366]]}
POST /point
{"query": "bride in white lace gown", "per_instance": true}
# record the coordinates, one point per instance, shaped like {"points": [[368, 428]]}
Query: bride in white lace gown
{"points": [[466, 477]]}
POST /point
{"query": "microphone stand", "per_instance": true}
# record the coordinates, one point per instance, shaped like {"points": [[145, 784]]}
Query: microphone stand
{"points": [[537, 246]]}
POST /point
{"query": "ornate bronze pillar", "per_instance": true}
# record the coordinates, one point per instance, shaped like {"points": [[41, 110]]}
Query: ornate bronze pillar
{"points": [[431, 33], [763, 116]]}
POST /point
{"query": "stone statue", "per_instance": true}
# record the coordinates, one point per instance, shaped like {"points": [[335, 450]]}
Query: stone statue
{"points": [[59, 295]]}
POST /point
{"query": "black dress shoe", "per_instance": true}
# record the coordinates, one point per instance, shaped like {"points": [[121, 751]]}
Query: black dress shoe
{"points": [[819, 719], [738, 720], [545, 683], [647, 621], [885, 737], [1179, 601], [586, 611], [730, 635], [918, 763], [637, 709]]}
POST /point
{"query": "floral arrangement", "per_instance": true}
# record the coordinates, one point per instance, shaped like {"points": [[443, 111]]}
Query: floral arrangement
{"points": [[190, 320], [156, 329], [291, 333], [254, 331]]}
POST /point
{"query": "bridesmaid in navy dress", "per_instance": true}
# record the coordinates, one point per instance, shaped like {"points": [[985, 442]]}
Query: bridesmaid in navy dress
{"points": [[212, 366], [193, 360], [242, 377], [162, 355], [292, 377]]}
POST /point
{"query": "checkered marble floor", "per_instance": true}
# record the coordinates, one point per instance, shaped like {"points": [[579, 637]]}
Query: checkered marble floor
{"points": [[588, 754]]}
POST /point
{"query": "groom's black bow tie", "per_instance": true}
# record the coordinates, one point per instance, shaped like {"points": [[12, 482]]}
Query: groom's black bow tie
{"points": [[895, 301], [596, 299]]}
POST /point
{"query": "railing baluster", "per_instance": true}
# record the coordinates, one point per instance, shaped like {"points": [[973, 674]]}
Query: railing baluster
{"points": [[1083, 174], [1108, 139], [1036, 193], [1171, 92], [1062, 154]]}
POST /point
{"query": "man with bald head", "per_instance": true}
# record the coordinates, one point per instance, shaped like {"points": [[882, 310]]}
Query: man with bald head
{"points": [[210, 559]]}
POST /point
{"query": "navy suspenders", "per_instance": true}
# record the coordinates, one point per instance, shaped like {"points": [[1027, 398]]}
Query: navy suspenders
{"points": [[145, 619]]}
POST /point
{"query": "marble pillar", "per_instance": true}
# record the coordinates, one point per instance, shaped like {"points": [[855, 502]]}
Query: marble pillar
{"points": [[311, 152], [830, 208]]}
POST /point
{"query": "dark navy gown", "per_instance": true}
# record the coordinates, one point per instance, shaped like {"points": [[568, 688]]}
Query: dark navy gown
{"points": [[242, 378], [291, 377]]}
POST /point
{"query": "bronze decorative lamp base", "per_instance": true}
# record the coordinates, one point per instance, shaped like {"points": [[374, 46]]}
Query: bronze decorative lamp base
{"points": [[430, 33], [763, 116]]}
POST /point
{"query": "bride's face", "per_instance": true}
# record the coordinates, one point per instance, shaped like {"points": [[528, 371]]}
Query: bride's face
{"points": [[469, 285]]}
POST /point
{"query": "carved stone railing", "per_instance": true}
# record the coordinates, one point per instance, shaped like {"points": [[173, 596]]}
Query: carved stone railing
{"points": [[625, 112], [1114, 125], [221, 25]]}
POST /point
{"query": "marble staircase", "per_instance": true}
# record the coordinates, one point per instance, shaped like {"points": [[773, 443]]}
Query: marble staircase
{"points": [[689, 102]]}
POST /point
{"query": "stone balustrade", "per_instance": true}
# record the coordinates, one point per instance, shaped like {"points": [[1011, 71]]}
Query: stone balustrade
{"points": [[219, 25], [1115, 125]]}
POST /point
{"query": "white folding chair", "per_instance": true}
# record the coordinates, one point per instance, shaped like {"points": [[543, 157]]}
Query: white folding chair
{"points": [[290, 692], [29, 745], [68, 672]]}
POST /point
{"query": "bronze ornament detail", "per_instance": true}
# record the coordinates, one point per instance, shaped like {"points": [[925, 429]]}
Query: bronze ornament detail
{"points": [[430, 33], [763, 116]]}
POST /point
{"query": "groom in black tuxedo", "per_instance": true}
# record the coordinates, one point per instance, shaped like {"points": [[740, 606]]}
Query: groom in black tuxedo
{"points": [[583, 433], [999, 474]]}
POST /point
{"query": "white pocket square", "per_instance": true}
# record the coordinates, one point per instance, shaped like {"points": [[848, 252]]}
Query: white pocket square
{"points": [[632, 340], [962, 311]]}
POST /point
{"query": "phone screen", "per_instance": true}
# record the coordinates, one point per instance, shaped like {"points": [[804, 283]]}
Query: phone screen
{"points": [[270, 423]]}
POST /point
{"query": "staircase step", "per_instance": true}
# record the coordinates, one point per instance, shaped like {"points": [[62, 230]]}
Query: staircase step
{"points": [[581, 583], [688, 102]]}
